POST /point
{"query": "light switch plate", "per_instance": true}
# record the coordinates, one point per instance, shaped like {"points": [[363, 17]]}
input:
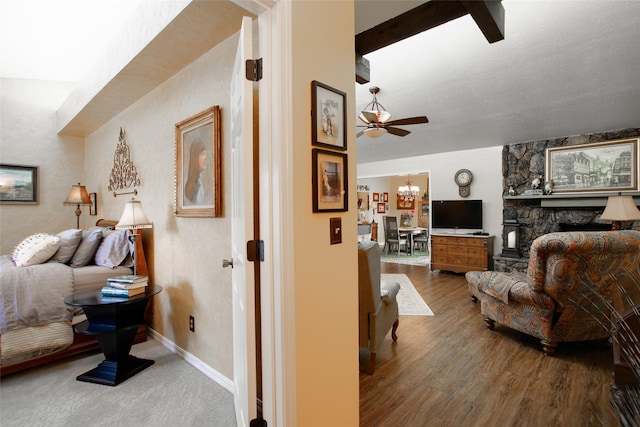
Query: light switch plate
{"points": [[335, 230]]}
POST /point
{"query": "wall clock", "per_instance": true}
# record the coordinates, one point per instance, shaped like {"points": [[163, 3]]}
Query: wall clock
{"points": [[463, 178]]}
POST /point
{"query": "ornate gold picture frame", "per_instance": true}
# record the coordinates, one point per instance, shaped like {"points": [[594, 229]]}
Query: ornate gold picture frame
{"points": [[198, 182]]}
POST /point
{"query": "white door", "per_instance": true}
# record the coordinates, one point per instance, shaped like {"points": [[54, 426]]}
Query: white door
{"points": [[244, 364]]}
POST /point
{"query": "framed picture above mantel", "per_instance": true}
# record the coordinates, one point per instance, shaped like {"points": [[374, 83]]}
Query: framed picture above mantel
{"points": [[610, 166]]}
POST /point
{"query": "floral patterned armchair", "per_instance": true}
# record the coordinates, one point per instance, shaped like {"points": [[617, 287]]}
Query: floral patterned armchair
{"points": [[551, 301]]}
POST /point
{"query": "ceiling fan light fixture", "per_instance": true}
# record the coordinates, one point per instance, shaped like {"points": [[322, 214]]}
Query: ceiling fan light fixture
{"points": [[375, 132], [382, 116]]}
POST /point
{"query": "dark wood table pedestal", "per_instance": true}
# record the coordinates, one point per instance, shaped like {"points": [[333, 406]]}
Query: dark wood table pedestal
{"points": [[114, 322]]}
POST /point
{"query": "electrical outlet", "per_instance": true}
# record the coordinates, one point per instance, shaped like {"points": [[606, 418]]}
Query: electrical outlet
{"points": [[192, 324]]}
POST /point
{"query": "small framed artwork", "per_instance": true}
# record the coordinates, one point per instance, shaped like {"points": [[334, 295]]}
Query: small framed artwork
{"points": [[385, 197], [328, 116], [376, 197], [610, 166], [93, 207], [18, 185], [199, 165], [382, 208], [329, 181], [403, 203]]}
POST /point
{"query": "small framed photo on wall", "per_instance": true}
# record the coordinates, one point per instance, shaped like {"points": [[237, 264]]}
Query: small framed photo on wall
{"points": [[376, 197], [382, 208], [328, 116], [93, 207], [329, 181], [385, 197]]}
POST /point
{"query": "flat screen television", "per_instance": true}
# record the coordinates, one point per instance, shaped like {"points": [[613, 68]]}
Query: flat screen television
{"points": [[456, 214]]}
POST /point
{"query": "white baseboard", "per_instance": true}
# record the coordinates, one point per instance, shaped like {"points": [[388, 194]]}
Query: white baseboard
{"points": [[194, 361]]}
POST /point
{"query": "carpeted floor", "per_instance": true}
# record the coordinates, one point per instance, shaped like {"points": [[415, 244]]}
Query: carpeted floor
{"points": [[169, 393], [410, 303]]}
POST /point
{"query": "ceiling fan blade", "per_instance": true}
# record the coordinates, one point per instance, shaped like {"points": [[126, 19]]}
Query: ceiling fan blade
{"points": [[397, 131], [409, 121], [359, 134]]}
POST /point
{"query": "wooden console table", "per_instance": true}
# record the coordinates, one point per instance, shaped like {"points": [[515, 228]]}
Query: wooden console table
{"points": [[461, 252]]}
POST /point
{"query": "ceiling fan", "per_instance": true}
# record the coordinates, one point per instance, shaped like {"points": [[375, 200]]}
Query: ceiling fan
{"points": [[377, 123]]}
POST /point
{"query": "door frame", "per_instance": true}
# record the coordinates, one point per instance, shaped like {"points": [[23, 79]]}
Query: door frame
{"points": [[276, 209]]}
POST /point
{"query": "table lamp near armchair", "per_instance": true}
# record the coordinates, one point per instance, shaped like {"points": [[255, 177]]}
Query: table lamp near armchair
{"points": [[620, 209]]}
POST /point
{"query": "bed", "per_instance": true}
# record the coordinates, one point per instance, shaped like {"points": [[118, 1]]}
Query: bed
{"points": [[36, 327]]}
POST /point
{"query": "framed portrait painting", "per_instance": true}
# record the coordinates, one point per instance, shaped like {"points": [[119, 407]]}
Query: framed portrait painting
{"points": [[199, 165], [599, 167], [329, 181], [18, 184], [329, 116]]}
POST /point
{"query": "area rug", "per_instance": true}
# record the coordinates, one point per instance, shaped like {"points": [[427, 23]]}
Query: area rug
{"points": [[418, 259], [410, 303]]}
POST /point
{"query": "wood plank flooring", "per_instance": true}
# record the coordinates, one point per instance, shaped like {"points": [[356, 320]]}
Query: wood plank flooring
{"points": [[450, 370]]}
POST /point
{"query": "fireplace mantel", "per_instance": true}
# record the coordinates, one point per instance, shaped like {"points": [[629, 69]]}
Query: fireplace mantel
{"points": [[574, 200]]}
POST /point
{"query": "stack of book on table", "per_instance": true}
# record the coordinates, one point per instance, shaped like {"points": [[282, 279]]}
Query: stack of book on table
{"points": [[125, 286]]}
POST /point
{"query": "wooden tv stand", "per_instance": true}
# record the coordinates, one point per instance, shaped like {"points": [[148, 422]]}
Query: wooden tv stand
{"points": [[461, 252]]}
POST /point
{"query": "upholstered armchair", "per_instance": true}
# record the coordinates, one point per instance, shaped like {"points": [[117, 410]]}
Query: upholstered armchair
{"points": [[553, 300], [377, 305]]}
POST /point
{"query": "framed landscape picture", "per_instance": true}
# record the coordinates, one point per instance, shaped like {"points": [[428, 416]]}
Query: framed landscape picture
{"points": [[18, 184], [599, 167], [199, 165], [328, 116], [329, 181]]}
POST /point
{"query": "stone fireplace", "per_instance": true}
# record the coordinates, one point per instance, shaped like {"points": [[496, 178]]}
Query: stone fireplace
{"points": [[521, 164]]}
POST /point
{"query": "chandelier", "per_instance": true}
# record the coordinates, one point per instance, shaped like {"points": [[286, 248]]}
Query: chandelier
{"points": [[408, 191]]}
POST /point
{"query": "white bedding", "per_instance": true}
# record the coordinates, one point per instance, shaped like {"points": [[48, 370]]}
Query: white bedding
{"points": [[34, 320]]}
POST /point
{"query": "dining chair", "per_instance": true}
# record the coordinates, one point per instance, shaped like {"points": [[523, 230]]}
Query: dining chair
{"points": [[392, 236], [421, 241]]}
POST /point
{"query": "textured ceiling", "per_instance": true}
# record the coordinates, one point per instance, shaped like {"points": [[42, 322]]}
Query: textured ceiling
{"points": [[564, 68]]}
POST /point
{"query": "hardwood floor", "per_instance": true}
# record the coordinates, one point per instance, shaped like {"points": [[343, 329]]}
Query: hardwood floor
{"points": [[450, 370]]}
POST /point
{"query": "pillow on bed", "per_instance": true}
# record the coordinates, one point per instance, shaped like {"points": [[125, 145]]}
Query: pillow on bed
{"points": [[114, 248], [35, 249], [69, 241], [87, 249]]}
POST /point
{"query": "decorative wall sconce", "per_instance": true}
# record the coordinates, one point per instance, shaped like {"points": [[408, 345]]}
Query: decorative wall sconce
{"points": [[124, 173], [511, 239]]}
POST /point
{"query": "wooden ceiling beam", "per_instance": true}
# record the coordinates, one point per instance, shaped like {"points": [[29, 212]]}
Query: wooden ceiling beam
{"points": [[488, 15], [419, 19]]}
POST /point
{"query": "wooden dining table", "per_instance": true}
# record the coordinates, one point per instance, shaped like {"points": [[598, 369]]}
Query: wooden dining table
{"points": [[410, 232]]}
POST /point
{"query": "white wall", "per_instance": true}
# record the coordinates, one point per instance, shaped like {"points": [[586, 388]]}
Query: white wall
{"points": [[187, 252], [28, 137], [484, 163]]}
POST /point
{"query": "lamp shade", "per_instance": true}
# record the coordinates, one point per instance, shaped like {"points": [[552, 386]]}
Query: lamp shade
{"points": [[78, 196], [133, 217], [620, 208]]}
